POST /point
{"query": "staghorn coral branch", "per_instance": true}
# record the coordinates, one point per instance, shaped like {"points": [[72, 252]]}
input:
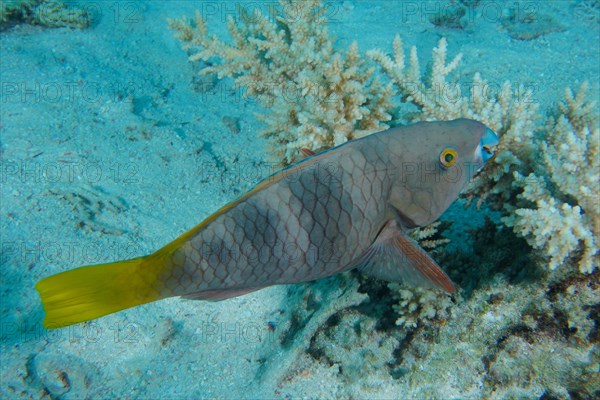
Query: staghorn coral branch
{"points": [[317, 97], [558, 210]]}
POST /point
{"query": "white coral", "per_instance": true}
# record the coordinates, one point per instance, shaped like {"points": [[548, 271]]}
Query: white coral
{"points": [[416, 305], [565, 188], [429, 236], [317, 97]]}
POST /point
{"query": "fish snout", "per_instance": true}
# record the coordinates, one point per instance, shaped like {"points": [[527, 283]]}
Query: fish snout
{"points": [[486, 147]]}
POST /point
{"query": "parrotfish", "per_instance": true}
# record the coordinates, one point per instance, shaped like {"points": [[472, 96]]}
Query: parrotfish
{"points": [[348, 207]]}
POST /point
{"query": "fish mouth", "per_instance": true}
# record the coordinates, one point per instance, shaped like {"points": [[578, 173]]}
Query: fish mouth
{"points": [[486, 147]]}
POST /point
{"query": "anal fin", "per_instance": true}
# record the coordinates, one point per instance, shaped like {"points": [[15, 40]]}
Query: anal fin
{"points": [[395, 257], [218, 295]]}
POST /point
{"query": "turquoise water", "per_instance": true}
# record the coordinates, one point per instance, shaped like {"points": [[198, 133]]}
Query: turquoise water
{"points": [[111, 147]]}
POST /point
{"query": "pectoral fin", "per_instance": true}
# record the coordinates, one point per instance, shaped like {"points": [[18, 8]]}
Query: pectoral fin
{"points": [[395, 257]]}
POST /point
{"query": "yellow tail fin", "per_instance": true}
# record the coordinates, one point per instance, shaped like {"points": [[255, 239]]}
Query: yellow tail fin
{"points": [[90, 292]]}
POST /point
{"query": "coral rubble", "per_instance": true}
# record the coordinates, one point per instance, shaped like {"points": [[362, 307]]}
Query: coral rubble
{"points": [[48, 13]]}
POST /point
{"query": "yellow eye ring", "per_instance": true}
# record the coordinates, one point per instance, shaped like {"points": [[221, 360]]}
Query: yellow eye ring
{"points": [[448, 157]]}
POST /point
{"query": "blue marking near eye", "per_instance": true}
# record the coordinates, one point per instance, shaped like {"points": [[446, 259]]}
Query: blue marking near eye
{"points": [[489, 140]]}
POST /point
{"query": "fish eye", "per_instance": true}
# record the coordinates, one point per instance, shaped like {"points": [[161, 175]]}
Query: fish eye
{"points": [[448, 157]]}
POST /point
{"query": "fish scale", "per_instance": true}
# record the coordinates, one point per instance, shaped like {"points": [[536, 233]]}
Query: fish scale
{"points": [[261, 247], [349, 207]]}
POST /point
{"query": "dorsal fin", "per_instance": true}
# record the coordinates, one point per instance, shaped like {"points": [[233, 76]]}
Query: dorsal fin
{"points": [[307, 152]]}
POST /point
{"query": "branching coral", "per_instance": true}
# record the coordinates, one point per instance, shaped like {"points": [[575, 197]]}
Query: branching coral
{"points": [[317, 97], [561, 210], [429, 237], [418, 304]]}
